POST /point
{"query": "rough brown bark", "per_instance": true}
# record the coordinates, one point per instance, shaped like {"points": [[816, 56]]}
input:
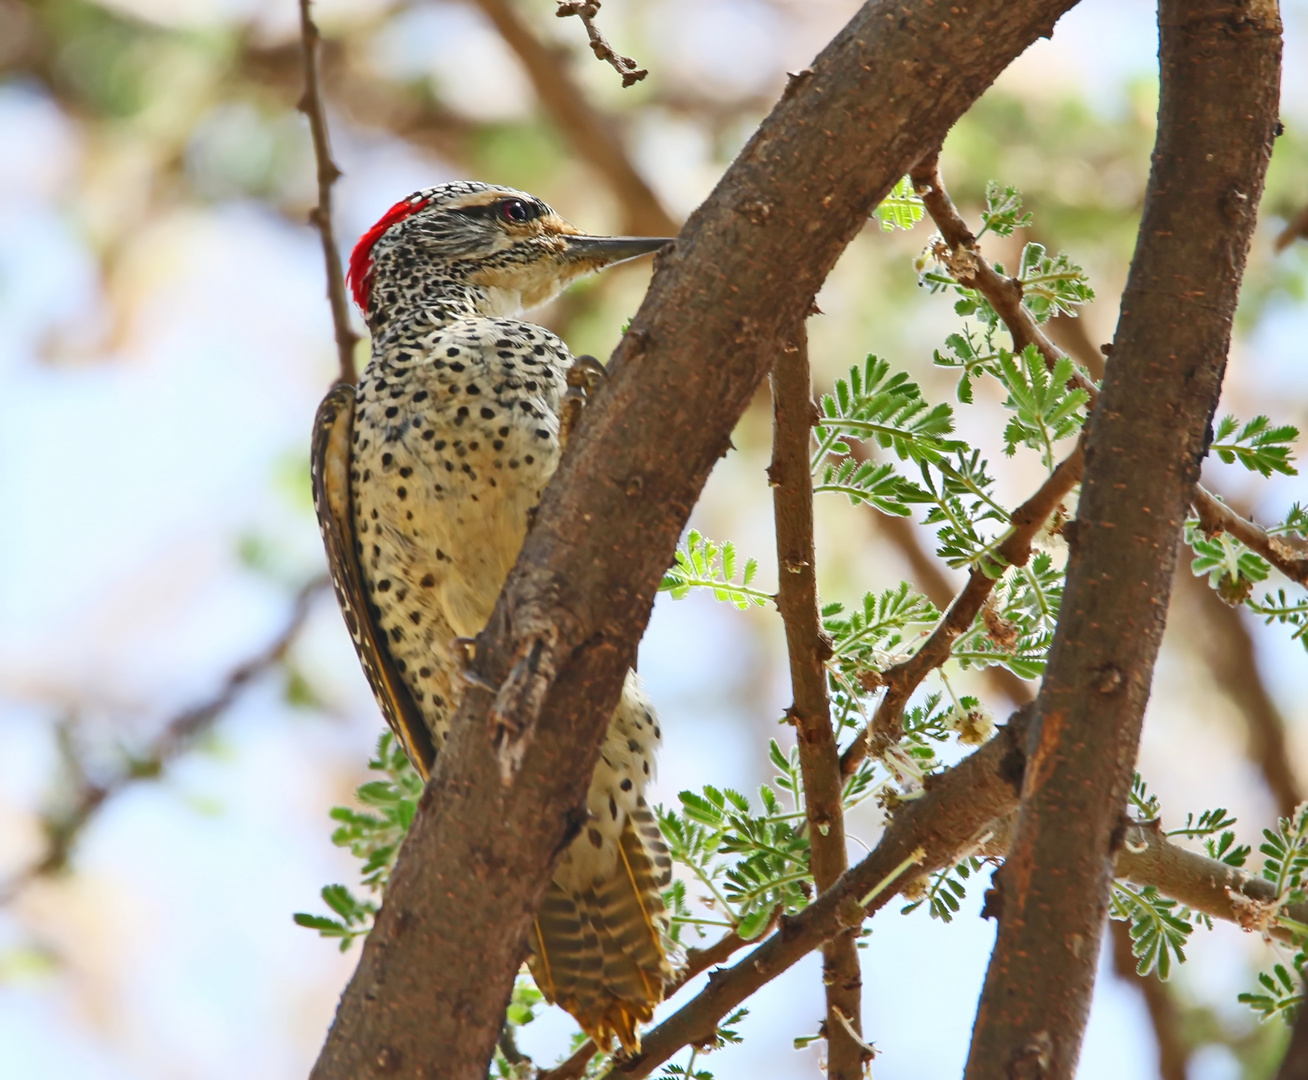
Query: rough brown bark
{"points": [[1220, 80], [794, 415], [434, 978]]}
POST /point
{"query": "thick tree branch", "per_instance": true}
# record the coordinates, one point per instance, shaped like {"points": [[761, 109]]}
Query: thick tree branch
{"points": [[311, 105], [1218, 110], [794, 415], [953, 816], [903, 678], [178, 734], [437, 970], [593, 136]]}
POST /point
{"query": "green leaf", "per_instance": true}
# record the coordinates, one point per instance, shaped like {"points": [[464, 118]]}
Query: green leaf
{"points": [[1258, 446], [755, 923], [901, 209], [705, 564]]}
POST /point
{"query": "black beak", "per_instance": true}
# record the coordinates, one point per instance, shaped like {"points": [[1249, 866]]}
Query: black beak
{"points": [[608, 250]]}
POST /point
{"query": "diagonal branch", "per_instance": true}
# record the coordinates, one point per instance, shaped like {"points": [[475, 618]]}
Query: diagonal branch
{"points": [[177, 735], [311, 105], [970, 268], [969, 809], [794, 415], [903, 678], [437, 971]]}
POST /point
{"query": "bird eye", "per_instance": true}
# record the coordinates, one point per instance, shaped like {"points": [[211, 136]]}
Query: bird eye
{"points": [[515, 211]]}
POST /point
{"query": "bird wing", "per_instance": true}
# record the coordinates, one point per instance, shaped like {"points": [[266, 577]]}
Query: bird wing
{"points": [[330, 467]]}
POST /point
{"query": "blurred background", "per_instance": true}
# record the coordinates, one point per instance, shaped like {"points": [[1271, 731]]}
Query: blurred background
{"points": [[179, 703]]}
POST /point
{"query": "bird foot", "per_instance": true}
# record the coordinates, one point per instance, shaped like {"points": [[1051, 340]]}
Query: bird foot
{"points": [[583, 378]]}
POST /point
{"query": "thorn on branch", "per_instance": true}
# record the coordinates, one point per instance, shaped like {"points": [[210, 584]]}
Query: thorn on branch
{"points": [[586, 10]]}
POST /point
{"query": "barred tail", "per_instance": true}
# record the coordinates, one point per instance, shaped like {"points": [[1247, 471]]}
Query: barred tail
{"points": [[600, 953]]}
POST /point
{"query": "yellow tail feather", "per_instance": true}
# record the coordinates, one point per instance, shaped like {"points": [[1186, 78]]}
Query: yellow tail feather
{"points": [[600, 954]]}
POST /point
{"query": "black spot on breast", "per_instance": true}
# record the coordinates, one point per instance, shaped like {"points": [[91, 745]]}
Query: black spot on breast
{"points": [[428, 434], [474, 389], [451, 351], [593, 835], [428, 580], [391, 412], [405, 472], [415, 617], [541, 433], [613, 808], [487, 413], [633, 746], [440, 444], [421, 395], [626, 783], [402, 492]]}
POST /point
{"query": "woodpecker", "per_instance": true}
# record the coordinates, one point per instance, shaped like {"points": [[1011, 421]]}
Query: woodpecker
{"points": [[425, 477]]}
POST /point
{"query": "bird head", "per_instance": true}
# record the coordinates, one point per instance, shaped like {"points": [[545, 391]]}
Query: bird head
{"points": [[503, 250]]}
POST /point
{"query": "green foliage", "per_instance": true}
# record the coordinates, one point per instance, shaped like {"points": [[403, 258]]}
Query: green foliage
{"points": [[702, 563], [1257, 446], [901, 209], [1232, 568], [946, 890], [1046, 408], [1159, 927], [888, 408], [1003, 213], [724, 1035], [1286, 855], [373, 836], [1278, 609], [1282, 992], [1052, 284]]}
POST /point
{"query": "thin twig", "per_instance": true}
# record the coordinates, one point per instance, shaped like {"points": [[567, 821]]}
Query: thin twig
{"points": [[321, 215], [794, 415], [586, 10], [177, 735], [931, 581], [902, 679], [593, 136], [971, 269]]}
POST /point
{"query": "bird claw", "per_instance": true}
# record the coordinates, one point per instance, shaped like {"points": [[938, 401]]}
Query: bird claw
{"points": [[583, 379]]}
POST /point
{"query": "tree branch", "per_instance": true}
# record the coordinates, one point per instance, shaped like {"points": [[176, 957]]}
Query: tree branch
{"points": [[586, 10], [436, 972], [931, 581], [794, 415], [592, 135], [177, 735], [1290, 556], [953, 816], [969, 809], [1146, 439], [903, 678], [321, 215], [970, 268]]}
